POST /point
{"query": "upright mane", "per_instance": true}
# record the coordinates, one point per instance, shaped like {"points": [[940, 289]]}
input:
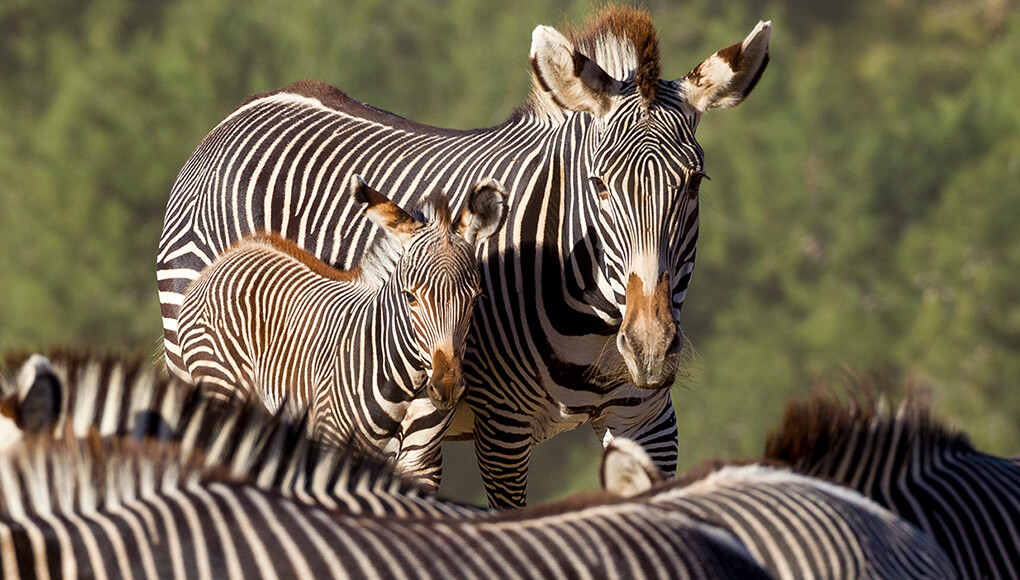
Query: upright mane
{"points": [[623, 41], [818, 425]]}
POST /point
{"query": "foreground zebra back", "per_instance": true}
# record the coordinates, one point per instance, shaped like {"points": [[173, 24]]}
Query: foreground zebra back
{"points": [[917, 467], [234, 493], [794, 526], [375, 353], [237, 494]]}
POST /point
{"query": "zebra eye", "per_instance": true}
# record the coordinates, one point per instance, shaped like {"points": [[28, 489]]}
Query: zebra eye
{"points": [[600, 187], [412, 300], [694, 185]]}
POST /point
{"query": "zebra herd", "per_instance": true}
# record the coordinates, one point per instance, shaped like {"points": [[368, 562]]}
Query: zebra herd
{"points": [[118, 471], [322, 341]]}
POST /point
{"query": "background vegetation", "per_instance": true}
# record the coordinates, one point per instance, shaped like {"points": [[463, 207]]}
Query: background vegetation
{"points": [[863, 209]]}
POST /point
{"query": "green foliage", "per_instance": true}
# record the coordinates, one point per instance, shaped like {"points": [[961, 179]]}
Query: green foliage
{"points": [[862, 212]]}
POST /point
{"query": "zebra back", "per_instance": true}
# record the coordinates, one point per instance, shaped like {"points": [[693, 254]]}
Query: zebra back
{"points": [[916, 466], [234, 492], [793, 525]]}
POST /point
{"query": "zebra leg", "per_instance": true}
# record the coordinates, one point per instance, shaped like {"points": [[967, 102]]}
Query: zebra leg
{"points": [[503, 461], [655, 432]]}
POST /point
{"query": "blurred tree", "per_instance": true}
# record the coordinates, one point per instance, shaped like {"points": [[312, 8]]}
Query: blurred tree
{"points": [[862, 211]]}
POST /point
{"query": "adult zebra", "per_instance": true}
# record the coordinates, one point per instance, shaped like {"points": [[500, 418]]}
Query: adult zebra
{"points": [[582, 288], [373, 354], [235, 494], [918, 468]]}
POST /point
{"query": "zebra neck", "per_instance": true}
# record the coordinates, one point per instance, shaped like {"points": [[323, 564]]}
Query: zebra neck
{"points": [[388, 337], [870, 456]]}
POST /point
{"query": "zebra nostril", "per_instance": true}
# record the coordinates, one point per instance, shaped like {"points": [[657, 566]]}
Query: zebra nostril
{"points": [[623, 344], [675, 345]]}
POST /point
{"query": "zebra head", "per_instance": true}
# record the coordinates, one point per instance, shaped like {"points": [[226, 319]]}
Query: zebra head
{"points": [[437, 273], [639, 167]]}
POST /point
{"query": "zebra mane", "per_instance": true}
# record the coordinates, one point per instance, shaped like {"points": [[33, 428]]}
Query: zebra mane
{"points": [[302, 255], [203, 439], [814, 427], [623, 41]]}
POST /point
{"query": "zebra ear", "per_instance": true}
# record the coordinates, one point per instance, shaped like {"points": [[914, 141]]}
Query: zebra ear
{"points": [[40, 398], [725, 78], [573, 80], [627, 469], [383, 212], [484, 212]]}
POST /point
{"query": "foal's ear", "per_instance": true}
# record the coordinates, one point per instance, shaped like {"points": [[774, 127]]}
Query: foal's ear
{"points": [[484, 212], [383, 212], [725, 78], [573, 80], [40, 397], [627, 469]]}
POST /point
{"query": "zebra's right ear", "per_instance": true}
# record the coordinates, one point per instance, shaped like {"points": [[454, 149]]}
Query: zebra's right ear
{"points": [[627, 469], [383, 212], [40, 397], [572, 79], [724, 79], [484, 212]]}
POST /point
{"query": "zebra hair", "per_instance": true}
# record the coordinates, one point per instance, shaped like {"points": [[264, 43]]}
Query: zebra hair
{"points": [[915, 465]]}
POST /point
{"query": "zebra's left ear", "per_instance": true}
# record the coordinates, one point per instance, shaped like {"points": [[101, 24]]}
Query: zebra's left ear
{"points": [[627, 469], [484, 212], [573, 80], [383, 212], [725, 78], [40, 398]]}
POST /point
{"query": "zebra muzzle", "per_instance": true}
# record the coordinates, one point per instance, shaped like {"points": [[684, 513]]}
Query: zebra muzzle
{"points": [[445, 384], [649, 338]]}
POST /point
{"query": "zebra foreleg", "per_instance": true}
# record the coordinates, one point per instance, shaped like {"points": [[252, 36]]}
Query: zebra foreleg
{"points": [[503, 458], [655, 433]]}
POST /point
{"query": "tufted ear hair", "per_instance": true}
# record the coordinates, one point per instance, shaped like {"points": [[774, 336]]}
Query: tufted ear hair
{"points": [[383, 212], [573, 80], [627, 469], [484, 212], [37, 405], [725, 78]]}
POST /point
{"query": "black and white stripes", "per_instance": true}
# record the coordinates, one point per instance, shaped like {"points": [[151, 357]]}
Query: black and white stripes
{"points": [[582, 289], [916, 467], [374, 354]]}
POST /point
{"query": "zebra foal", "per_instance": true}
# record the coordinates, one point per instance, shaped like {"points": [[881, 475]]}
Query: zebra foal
{"points": [[374, 353], [918, 468]]}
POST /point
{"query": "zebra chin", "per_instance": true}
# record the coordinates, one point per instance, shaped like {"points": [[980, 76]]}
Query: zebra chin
{"points": [[656, 372]]}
